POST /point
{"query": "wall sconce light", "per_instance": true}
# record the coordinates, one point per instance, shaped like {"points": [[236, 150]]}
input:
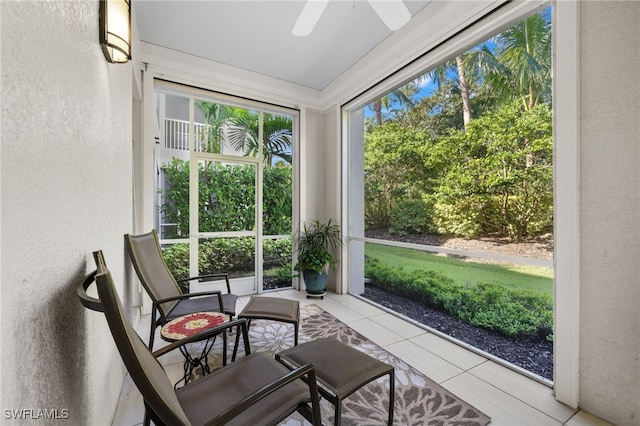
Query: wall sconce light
{"points": [[115, 30]]}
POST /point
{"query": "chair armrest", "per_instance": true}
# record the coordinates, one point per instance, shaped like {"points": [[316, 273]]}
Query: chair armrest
{"points": [[156, 304], [208, 334], [190, 295], [201, 277], [252, 398], [86, 300]]}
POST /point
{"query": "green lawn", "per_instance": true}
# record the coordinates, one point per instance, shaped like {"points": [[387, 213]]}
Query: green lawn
{"points": [[465, 272]]}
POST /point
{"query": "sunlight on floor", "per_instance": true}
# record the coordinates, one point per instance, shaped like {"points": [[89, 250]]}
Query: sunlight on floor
{"points": [[508, 397]]}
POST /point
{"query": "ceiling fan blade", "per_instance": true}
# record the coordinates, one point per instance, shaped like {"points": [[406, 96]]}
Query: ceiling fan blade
{"points": [[309, 17], [392, 12]]}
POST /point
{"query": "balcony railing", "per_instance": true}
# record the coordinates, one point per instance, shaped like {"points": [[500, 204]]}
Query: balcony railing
{"points": [[176, 134]]}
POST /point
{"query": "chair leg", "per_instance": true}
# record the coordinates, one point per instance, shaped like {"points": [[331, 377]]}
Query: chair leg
{"points": [[392, 392], [224, 349], [152, 326], [236, 344], [151, 337], [235, 347]]}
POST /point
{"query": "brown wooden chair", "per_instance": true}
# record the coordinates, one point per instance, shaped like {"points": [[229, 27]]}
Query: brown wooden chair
{"points": [[169, 299], [255, 390]]}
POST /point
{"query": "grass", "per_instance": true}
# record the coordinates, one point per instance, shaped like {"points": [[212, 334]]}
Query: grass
{"points": [[465, 272]]}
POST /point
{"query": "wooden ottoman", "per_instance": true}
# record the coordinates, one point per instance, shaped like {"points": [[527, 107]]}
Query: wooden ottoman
{"points": [[340, 369]]}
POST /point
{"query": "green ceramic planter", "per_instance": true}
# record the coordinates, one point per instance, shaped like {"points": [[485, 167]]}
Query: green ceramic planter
{"points": [[315, 282]]}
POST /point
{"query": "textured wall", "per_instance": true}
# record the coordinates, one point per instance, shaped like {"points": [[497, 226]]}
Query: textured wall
{"points": [[610, 210], [66, 191]]}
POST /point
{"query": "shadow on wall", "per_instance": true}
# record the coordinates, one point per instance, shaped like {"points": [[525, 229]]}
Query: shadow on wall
{"points": [[50, 335]]}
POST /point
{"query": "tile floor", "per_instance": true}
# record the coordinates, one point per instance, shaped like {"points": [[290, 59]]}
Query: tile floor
{"points": [[508, 397]]}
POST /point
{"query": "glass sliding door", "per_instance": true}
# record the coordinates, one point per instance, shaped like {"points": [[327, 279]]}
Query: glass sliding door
{"points": [[224, 211], [224, 188]]}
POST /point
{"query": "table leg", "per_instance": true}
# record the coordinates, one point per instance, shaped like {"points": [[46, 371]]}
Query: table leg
{"points": [[202, 361]]}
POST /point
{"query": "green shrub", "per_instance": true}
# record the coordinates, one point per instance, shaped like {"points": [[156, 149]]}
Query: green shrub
{"points": [[460, 217], [509, 311], [411, 217], [276, 252], [226, 255], [177, 258], [284, 274], [230, 255], [512, 312]]}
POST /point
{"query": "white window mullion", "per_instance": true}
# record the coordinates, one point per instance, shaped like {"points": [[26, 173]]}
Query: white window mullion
{"points": [[194, 215], [259, 208]]}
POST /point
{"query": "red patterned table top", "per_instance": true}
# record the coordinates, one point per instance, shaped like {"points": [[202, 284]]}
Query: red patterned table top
{"points": [[191, 324]]}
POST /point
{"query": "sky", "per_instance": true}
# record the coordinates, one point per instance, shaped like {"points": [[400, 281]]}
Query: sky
{"points": [[428, 87]]}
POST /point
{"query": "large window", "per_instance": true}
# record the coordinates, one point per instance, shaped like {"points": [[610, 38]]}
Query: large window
{"points": [[454, 174], [224, 187]]}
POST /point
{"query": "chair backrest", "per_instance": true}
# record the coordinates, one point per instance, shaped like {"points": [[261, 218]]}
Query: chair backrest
{"points": [[145, 371], [152, 270]]}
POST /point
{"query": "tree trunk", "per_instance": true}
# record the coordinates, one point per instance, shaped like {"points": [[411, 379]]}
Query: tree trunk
{"points": [[377, 109], [464, 92]]}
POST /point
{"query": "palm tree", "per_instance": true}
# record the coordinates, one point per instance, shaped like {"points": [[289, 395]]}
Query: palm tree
{"points": [[520, 68], [243, 135], [215, 117], [457, 67], [526, 54], [402, 95]]}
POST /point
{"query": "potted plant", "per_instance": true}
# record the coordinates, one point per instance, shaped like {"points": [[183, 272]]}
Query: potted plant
{"points": [[315, 245]]}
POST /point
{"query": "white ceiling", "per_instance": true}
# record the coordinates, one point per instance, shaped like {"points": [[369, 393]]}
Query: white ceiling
{"points": [[255, 35]]}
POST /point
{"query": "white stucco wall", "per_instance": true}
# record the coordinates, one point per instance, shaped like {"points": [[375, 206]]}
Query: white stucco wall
{"points": [[65, 192], [610, 209]]}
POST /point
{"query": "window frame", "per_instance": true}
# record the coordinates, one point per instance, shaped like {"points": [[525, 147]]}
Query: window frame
{"points": [[155, 81], [565, 18]]}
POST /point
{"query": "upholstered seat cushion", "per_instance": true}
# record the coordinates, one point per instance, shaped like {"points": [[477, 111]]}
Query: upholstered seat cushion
{"points": [[340, 369], [201, 401], [353, 370], [206, 303], [272, 308]]}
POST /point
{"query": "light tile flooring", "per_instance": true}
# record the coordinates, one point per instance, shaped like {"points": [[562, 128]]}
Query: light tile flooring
{"points": [[508, 397]]}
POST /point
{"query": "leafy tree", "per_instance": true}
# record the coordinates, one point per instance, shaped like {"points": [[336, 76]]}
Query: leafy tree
{"points": [[437, 115], [394, 158], [499, 176]]}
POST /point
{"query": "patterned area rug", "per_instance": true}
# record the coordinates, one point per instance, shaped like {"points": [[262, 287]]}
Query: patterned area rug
{"points": [[418, 401]]}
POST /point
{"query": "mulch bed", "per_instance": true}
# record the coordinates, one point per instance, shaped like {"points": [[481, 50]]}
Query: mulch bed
{"points": [[532, 354]]}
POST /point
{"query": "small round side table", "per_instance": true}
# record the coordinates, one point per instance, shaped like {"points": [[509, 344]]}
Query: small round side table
{"points": [[188, 325]]}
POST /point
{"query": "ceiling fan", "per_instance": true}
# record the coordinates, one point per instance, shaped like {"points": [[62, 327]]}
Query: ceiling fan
{"points": [[392, 12]]}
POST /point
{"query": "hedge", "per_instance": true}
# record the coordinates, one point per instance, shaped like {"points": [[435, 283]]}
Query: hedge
{"points": [[231, 255], [511, 312]]}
